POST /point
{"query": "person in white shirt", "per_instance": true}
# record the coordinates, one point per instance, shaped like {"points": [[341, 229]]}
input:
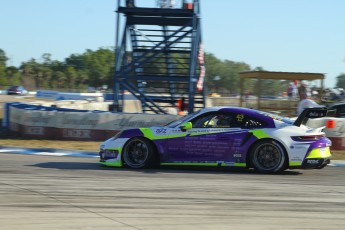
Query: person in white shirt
{"points": [[306, 102]]}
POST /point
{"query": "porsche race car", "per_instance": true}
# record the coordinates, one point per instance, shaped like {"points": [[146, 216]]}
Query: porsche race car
{"points": [[224, 136]]}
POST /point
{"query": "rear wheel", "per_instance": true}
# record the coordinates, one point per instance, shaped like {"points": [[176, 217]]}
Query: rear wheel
{"points": [[268, 156], [139, 153]]}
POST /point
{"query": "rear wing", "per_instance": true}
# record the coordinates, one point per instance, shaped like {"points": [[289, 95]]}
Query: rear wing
{"points": [[312, 113]]}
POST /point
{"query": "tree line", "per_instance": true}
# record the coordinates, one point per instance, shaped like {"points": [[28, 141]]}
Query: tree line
{"points": [[92, 68], [95, 68]]}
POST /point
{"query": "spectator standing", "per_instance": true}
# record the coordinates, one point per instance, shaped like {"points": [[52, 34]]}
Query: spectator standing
{"points": [[292, 91], [303, 90], [306, 102]]}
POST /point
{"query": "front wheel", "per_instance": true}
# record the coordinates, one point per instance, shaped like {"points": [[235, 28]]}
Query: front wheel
{"points": [[138, 153], [268, 156]]}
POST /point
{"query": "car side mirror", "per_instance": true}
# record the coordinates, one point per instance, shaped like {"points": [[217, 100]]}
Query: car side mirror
{"points": [[186, 126]]}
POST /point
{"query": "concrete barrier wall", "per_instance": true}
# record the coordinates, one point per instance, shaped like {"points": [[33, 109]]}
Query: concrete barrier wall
{"points": [[130, 106], [40, 122]]}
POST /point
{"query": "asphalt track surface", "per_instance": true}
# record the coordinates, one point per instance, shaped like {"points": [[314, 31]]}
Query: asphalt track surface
{"points": [[50, 192]]}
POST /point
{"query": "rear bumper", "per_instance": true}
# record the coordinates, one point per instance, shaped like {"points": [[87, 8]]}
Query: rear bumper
{"points": [[313, 163], [316, 163], [317, 158]]}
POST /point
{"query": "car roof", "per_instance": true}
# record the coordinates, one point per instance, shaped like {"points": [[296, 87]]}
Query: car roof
{"points": [[250, 112], [228, 109]]}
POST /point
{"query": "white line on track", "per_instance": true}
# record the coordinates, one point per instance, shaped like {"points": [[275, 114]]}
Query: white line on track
{"points": [[47, 153]]}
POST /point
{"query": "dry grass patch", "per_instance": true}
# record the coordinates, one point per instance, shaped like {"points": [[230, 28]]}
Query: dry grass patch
{"points": [[338, 155]]}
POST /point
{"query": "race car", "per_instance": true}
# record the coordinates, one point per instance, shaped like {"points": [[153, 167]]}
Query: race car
{"points": [[224, 136]]}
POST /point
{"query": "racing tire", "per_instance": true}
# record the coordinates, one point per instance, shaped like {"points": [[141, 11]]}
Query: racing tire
{"points": [[139, 153], [268, 156]]}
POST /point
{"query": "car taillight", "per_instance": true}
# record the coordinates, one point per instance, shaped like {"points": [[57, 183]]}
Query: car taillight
{"points": [[309, 137]]}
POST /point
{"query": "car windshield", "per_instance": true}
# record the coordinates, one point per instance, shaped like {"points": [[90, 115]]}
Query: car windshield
{"points": [[182, 120]]}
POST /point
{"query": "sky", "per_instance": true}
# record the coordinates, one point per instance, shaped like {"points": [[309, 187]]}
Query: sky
{"points": [[277, 35]]}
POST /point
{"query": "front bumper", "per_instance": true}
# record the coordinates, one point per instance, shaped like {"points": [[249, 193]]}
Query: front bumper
{"points": [[110, 158], [108, 154], [111, 150]]}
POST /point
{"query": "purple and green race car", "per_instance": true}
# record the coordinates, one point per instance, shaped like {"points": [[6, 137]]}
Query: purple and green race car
{"points": [[224, 136]]}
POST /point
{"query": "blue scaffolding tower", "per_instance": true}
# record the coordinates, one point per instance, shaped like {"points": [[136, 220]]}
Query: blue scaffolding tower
{"points": [[159, 58]]}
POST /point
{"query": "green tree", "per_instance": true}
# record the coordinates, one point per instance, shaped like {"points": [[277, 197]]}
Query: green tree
{"points": [[82, 79], [36, 71], [59, 80], [46, 59], [3, 80], [213, 69], [223, 76], [100, 65], [97, 64], [230, 75], [96, 68], [27, 69], [341, 81], [13, 76], [3, 59], [71, 77]]}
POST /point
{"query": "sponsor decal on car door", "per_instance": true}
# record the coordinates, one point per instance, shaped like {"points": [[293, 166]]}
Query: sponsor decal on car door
{"points": [[206, 145]]}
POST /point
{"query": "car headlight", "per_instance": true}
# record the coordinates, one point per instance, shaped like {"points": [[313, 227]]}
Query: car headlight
{"points": [[117, 135], [102, 146]]}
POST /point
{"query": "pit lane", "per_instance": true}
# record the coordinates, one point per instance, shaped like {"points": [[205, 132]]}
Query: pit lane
{"points": [[49, 192]]}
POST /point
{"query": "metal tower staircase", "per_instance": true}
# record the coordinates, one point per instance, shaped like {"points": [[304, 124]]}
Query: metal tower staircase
{"points": [[159, 58]]}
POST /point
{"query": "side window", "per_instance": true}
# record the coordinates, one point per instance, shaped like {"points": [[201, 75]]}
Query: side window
{"points": [[216, 120], [225, 120], [205, 121]]}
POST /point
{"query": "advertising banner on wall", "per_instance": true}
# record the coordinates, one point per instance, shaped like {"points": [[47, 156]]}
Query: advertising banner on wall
{"points": [[59, 123]]}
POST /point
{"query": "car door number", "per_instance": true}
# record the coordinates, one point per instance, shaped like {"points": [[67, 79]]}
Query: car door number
{"points": [[161, 131]]}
